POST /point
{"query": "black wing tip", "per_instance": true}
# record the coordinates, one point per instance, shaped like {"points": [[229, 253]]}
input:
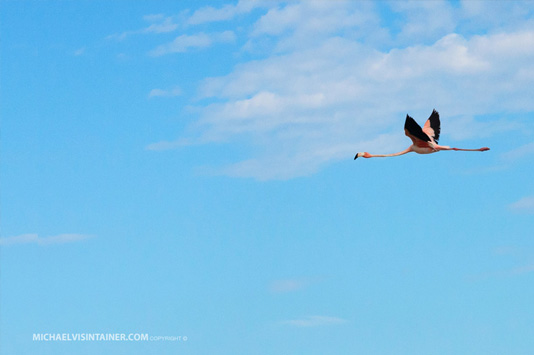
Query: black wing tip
{"points": [[435, 124], [434, 114], [415, 130], [409, 120]]}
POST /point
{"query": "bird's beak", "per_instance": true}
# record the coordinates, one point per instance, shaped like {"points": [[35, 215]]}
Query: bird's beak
{"points": [[356, 156]]}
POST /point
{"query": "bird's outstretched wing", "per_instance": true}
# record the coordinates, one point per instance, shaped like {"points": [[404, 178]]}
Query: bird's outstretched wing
{"points": [[414, 131], [432, 126]]}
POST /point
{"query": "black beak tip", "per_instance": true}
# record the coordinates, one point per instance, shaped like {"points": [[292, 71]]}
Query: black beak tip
{"points": [[356, 157]]}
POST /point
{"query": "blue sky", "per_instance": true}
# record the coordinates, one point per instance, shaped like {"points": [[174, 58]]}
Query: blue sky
{"points": [[186, 169]]}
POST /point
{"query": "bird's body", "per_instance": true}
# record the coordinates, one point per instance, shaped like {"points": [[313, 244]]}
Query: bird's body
{"points": [[425, 140]]}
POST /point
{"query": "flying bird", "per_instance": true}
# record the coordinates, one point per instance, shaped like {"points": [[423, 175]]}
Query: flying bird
{"points": [[425, 140]]}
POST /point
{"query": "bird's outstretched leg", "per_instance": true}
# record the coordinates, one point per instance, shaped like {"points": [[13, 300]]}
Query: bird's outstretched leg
{"points": [[444, 147], [483, 149]]}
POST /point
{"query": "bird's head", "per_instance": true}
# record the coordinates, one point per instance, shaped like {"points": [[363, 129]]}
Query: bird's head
{"points": [[363, 154]]}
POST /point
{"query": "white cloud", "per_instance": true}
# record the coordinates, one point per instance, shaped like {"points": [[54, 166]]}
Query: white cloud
{"points": [[340, 93], [466, 127], [165, 26], [184, 43], [285, 286], [175, 91], [167, 145], [506, 159], [278, 20], [33, 238], [525, 269], [79, 51], [328, 87], [500, 15], [525, 204], [227, 12], [521, 255], [290, 285], [425, 20], [315, 321], [154, 17], [158, 24], [519, 153], [514, 272], [301, 24]]}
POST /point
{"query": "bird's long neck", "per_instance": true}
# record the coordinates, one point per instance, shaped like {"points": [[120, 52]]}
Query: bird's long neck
{"points": [[390, 155]]}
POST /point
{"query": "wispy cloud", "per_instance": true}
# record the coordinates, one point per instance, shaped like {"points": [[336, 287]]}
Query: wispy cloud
{"points": [[326, 84], [175, 91], [289, 285], [33, 238], [154, 17], [513, 272], [299, 24], [158, 24], [506, 159], [184, 42], [519, 153], [224, 13], [164, 26], [169, 145], [315, 321], [525, 204], [425, 19], [329, 101], [525, 269], [522, 256], [467, 127], [80, 51]]}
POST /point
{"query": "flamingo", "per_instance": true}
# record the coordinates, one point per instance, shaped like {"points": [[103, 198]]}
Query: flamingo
{"points": [[425, 140]]}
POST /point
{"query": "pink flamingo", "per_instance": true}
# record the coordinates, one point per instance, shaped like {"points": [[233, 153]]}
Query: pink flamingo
{"points": [[425, 140]]}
